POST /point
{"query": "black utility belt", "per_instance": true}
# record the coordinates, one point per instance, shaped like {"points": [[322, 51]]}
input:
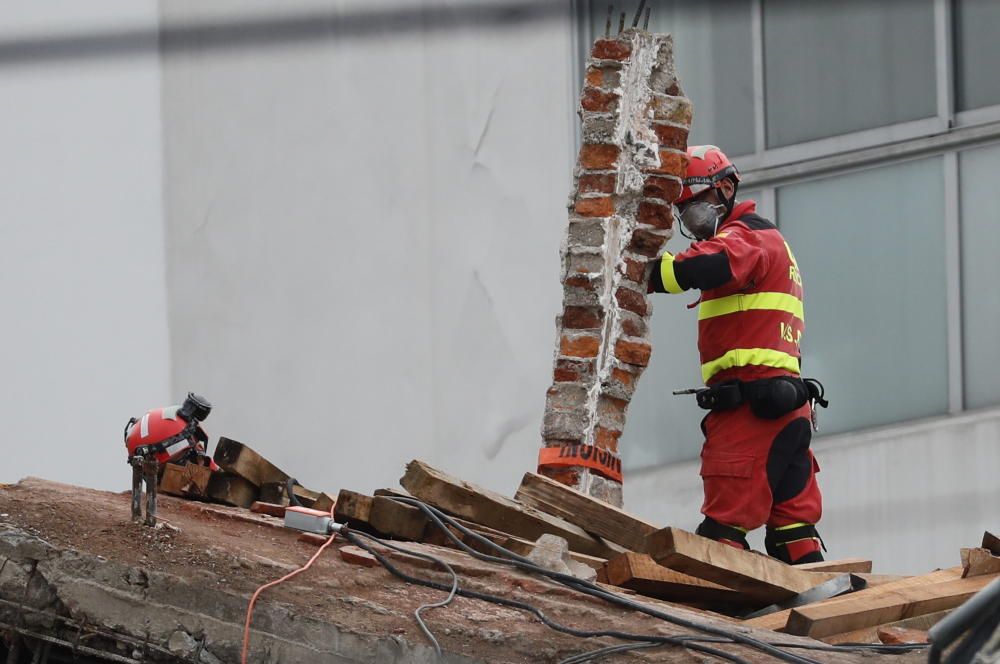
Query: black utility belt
{"points": [[769, 398]]}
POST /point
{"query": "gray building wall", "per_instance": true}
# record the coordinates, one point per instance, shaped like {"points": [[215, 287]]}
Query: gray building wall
{"points": [[82, 271], [362, 241]]}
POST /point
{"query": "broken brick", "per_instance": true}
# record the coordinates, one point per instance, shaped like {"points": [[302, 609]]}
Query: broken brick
{"points": [[572, 371], [598, 101], [602, 206], [633, 352], [664, 188], [606, 438], [585, 345], [591, 183], [600, 156], [656, 215], [671, 136], [582, 318], [647, 243], [633, 301], [611, 49]]}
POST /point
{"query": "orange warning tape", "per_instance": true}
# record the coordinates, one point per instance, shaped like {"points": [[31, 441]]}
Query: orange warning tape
{"points": [[604, 462]]}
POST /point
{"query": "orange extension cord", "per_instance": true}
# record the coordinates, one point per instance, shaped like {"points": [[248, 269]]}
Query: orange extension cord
{"points": [[271, 584]]}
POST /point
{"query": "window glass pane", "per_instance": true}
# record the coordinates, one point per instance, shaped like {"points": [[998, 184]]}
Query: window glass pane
{"points": [[660, 427], [977, 51], [980, 198], [836, 67], [713, 52], [869, 245]]}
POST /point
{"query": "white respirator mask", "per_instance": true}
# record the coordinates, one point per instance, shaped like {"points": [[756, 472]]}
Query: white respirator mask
{"points": [[700, 218]]}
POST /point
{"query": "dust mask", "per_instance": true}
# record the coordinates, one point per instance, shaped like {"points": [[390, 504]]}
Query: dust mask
{"points": [[701, 219]]}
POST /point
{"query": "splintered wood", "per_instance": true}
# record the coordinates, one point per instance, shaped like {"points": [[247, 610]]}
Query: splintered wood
{"points": [[626, 553]]}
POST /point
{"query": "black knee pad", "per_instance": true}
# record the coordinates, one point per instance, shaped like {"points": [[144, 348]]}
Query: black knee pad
{"points": [[788, 463], [714, 530]]}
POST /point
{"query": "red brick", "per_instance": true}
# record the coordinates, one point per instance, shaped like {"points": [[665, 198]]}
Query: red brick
{"points": [[598, 156], [633, 352], [606, 438], [656, 215], [633, 327], [572, 371], [358, 556], [562, 474], [626, 378], [603, 183], [671, 163], [581, 346], [633, 270], [565, 396], [611, 49], [667, 189], [582, 318], [671, 136], [580, 281], [598, 101], [630, 300], [595, 207], [646, 242], [611, 412], [594, 77], [673, 90]]}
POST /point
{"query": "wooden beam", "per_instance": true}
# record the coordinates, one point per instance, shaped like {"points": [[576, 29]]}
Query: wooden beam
{"points": [[853, 565], [269, 509], [236, 458], [324, 502], [397, 520], [494, 510], [976, 562], [594, 516], [639, 572], [353, 507], [870, 634], [779, 620], [760, 577], [873, 580], [277, 492], [855, 612], [231, 490], [187, 481]]}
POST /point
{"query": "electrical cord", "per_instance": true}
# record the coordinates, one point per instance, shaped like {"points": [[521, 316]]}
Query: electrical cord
{"points": [[438, 518], [442, 603], [352, 536]]}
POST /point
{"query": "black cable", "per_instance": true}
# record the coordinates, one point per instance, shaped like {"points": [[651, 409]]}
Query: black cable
{"points": [[436, 516], [689, 642]]}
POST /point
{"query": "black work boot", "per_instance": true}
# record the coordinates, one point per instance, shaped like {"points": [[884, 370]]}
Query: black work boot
{"points": [[731, 535], [795, 544]]}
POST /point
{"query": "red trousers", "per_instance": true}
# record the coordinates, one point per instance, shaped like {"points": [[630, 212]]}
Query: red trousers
{"points": [[758, 471]]}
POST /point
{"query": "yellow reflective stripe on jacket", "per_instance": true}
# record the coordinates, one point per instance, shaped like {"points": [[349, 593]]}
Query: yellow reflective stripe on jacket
{"points": [[742, 357], [667, 274], [745, 302]]}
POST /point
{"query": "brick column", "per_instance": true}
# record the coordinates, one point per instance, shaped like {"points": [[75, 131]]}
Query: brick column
{"points": [[635, 125]]}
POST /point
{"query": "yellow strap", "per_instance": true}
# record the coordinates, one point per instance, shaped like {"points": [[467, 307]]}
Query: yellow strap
{"points": [[742, 357], [667, 274], [793, 525], [745, 302]]}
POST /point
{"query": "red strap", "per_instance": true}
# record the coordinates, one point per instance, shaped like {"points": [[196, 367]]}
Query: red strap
{"points": [[604, 462]]}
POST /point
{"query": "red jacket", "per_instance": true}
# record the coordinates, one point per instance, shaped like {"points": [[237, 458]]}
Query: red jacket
{"points": [[750, 316]]}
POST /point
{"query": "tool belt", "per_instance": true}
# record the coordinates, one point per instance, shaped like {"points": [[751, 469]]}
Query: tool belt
{"points": [[769, 398]]}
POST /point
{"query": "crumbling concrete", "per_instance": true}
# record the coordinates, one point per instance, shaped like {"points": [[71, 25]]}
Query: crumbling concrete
{"points": [[635, 126]]}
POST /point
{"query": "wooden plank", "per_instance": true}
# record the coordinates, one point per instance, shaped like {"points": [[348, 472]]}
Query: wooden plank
{"points": [[895, 636], [324, 502], [976, 562], [639, 572], [239, 459], [855, 612], [761, 577], [870, 634], [270, 509], [231, 490], [397, 520], [873, 580], [853, 565], [187, 481], [779, 620], [353, 507], [494, 510], [594, 516]]}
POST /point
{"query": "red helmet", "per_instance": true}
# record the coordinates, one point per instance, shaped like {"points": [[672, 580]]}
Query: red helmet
{"points": [[707, 166], [171, 434]]}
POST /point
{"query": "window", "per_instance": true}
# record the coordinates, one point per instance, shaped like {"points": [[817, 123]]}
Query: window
{"points": [[836, 67], [869, 245], [976, 53], [979, 198], [713, 51]]}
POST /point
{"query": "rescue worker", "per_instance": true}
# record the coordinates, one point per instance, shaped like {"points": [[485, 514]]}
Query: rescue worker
{"points": [[756, 465], [173, 434]]}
